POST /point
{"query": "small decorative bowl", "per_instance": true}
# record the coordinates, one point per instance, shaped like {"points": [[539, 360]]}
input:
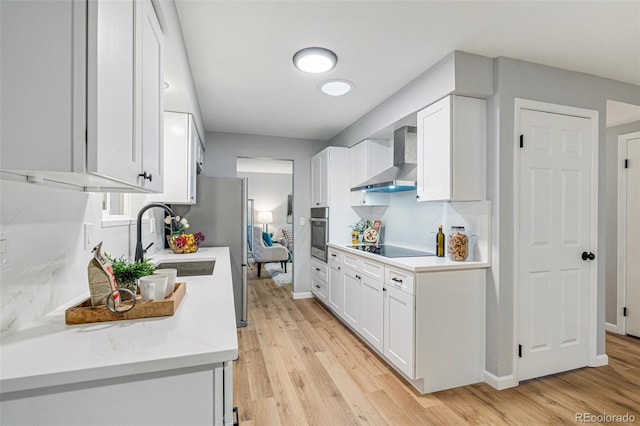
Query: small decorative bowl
{"points": [[183, 243]]}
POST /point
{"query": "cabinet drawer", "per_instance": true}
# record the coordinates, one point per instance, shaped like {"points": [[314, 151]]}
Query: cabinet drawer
{"points": [[334, 257], [319, 288], [319, 271], [400, 279], [373, 269], [352, 261]]}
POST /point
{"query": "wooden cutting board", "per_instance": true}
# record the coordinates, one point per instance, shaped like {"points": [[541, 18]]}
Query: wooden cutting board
{"points": [[84, 313]]}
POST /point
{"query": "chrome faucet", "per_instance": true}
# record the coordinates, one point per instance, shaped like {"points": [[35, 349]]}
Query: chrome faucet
{"points": [[139, 250]]}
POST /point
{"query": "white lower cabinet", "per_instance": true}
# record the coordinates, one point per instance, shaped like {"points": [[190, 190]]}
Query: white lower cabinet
{"points": [[430, 326], [319, 282], [371, 312], [399, 329], [336, 289], [351, 287]]}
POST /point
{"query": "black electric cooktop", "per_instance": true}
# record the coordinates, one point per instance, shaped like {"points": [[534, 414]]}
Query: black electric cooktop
{"points": [[387, 250]]}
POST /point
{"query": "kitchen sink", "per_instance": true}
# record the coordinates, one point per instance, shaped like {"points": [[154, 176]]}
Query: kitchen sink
{"points": [[190, 268]]}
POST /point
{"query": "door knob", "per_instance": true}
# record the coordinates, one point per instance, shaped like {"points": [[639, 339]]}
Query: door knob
{"points": [[588, 256]]}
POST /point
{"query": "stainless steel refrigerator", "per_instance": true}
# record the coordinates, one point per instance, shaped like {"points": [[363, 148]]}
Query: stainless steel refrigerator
{"points": [[221, 213]]}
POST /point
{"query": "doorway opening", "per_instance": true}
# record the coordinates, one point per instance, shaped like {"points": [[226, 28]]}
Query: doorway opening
{"points": [[270, 221]]}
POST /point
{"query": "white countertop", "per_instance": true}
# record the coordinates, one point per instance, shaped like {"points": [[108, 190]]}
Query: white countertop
{"points": [[201, 332], [417, 264]]}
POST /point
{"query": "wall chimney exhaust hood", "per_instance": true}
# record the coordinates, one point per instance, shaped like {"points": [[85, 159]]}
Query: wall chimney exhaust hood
{"points": [[402, 175]]}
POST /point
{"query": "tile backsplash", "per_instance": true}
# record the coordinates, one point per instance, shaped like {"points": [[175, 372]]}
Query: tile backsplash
{"points": [[411, 224], [46, 260]]}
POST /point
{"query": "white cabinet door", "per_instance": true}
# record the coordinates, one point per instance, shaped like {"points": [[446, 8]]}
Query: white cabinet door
{"points": [[371, 311], [351, 285], [149, 42], [319, 182], [179, 160], [359, 170], [96, 100], [192, 160], [451, 150], [112, 147], [336, 290], [399, 329], [367, 159]]}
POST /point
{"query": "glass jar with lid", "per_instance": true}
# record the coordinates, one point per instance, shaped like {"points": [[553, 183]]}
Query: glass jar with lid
{"points": [[458, 244]]}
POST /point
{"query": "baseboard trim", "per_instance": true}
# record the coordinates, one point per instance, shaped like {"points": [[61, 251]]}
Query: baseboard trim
{"points": [[301, 295], [500, 383], [611, 327], [600, 361]]}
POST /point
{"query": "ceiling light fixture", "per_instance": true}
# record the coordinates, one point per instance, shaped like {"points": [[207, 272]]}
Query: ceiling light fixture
{"points": [[315, 60], [336, 87], [165, 85]]}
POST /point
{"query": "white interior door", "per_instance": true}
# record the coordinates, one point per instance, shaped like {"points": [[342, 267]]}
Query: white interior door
{"points": [[555, 228], [632, 246]]}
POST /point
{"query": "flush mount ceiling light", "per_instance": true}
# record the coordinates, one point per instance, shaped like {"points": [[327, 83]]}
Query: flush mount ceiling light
{"points": [[336, 87], [315, 60], [165, 85]]}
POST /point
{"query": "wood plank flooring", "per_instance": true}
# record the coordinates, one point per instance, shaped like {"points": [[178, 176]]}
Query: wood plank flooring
{"points": [[299, 366]]}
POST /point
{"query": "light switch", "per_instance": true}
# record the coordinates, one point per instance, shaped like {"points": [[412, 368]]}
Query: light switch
{"points": [[302, 221]]}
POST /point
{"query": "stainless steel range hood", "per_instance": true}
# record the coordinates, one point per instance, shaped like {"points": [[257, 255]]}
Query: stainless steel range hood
{"points": [[402, 175]]}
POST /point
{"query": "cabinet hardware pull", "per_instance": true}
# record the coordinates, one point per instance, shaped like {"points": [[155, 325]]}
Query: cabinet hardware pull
{"points": [[317, 286], [146, 176], [334, 255], [318, 269], [396, 280], [384, 289], [358, 277], [339, 267]]}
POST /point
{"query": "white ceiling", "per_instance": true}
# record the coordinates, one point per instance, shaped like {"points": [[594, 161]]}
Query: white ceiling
{"points": [[240, 51]]}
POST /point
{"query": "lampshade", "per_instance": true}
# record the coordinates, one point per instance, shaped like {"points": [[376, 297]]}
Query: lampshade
{"points": [[265, 217]]}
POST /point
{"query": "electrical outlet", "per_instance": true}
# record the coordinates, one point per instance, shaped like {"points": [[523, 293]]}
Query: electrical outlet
{"points": [[89, 242], [4, 252]]}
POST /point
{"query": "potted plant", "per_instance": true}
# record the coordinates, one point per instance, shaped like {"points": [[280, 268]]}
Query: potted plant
{"points": [[126, 273]]}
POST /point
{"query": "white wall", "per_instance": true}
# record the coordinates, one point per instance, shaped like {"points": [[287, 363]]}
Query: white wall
{"points": [[44, 227], [270, 193], [519, 79], [220, 160]]}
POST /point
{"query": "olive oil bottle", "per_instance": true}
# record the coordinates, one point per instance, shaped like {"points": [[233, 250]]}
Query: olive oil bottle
{"points": [[440, 242]]}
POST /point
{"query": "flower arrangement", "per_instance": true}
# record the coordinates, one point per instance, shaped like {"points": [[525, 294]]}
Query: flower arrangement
{"points": [[179, 241], [361, 225]]}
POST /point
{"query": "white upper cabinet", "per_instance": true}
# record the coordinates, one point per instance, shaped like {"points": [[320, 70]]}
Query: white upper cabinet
{"points": [[149, 43], [181, 142], [319, 179], [82, 89], [451, 150], [367, 159]]}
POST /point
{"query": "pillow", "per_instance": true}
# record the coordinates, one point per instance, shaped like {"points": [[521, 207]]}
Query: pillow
{"points": [[287, 235], [267, 239]]}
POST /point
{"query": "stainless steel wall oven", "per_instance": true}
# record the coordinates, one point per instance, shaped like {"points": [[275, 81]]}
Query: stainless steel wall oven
{"points": [[319, 232]]}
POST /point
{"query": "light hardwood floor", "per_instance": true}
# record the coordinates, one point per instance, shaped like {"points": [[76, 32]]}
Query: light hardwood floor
{"points": [[299, 366]]}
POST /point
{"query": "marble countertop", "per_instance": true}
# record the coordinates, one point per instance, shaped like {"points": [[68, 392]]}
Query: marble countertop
{"points": [[201, 332], [417, 264]]}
